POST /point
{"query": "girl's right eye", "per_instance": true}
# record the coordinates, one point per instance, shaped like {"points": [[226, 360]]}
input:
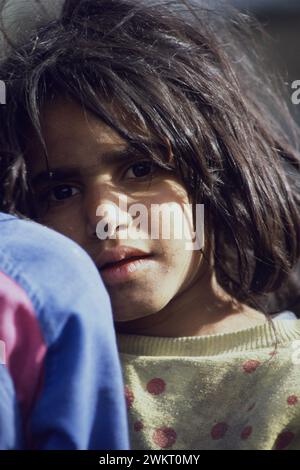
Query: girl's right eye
{"points": [[62, 192]]}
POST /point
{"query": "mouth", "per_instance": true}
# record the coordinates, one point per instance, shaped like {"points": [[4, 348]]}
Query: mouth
{"points": [[122, 262], [125, 269]]}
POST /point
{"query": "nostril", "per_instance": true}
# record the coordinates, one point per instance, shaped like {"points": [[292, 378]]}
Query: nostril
{"points": [[121, 227], [111, 228]]}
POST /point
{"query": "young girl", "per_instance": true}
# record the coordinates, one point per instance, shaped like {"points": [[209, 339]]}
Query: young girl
{"points": [[123, 101]]}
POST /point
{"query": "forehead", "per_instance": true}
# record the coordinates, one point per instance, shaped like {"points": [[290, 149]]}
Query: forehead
{"points": [[78, 141], [69, 130], [74, 137]]}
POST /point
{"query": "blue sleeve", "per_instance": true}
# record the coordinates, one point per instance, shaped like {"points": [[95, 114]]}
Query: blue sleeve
{"points": [[80, 403]]}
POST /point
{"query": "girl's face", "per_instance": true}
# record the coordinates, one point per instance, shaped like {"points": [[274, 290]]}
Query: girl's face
{"points": [[93, 167]]}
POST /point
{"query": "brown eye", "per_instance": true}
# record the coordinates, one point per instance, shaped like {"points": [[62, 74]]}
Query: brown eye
{"points": [[140, 169], [62, 192]]}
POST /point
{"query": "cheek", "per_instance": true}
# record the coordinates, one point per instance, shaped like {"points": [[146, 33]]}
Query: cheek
{"points": [[184, 265], [180, 262], [172, 221], [67, 223]]}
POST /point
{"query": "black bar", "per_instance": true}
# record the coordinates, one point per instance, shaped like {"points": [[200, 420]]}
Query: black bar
{"points": [[133, 459]]}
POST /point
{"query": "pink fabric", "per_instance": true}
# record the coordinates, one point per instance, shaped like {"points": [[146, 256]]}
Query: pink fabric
{"points": [[24, 344]]}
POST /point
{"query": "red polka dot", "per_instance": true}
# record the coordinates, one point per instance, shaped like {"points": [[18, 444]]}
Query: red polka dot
{"points": [[138, 426], [292, 400], [273, 353], [246, 432], [129, 396], [251, 407], [284, 439], [218, 431], [156, 386], [164, 437], [250, 366]]}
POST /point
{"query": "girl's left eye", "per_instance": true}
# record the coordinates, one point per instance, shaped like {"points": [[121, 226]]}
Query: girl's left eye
{"points": [[140, 169]]}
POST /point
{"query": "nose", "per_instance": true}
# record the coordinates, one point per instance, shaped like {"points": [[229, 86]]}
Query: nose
{"points": [[107, 213]]}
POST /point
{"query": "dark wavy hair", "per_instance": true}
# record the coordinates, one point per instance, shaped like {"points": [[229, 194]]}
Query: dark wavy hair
{"points": [[189, 75]]}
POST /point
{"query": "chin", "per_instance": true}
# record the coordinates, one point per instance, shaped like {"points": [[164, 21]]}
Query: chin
{"points": [[121, 316]]}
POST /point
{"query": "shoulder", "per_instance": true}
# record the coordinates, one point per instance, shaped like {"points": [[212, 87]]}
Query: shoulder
{"points": [[34, 248], [55, 273]]}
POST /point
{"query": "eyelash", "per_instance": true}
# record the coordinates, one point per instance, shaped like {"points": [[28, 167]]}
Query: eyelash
{"points": [[149, 162], [46, 195]]}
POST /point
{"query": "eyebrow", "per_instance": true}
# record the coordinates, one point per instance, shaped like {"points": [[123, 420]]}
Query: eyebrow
{"points": [[63, 172]]}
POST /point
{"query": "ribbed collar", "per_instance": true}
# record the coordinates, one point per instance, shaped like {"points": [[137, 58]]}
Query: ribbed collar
{"points": [[260, 336]]}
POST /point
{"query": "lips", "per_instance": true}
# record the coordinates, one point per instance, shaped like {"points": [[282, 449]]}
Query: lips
{"points": [[119, 255], [122, 262]]}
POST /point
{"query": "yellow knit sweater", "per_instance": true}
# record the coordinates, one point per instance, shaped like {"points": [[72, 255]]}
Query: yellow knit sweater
{"points": [[226, 391]]}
